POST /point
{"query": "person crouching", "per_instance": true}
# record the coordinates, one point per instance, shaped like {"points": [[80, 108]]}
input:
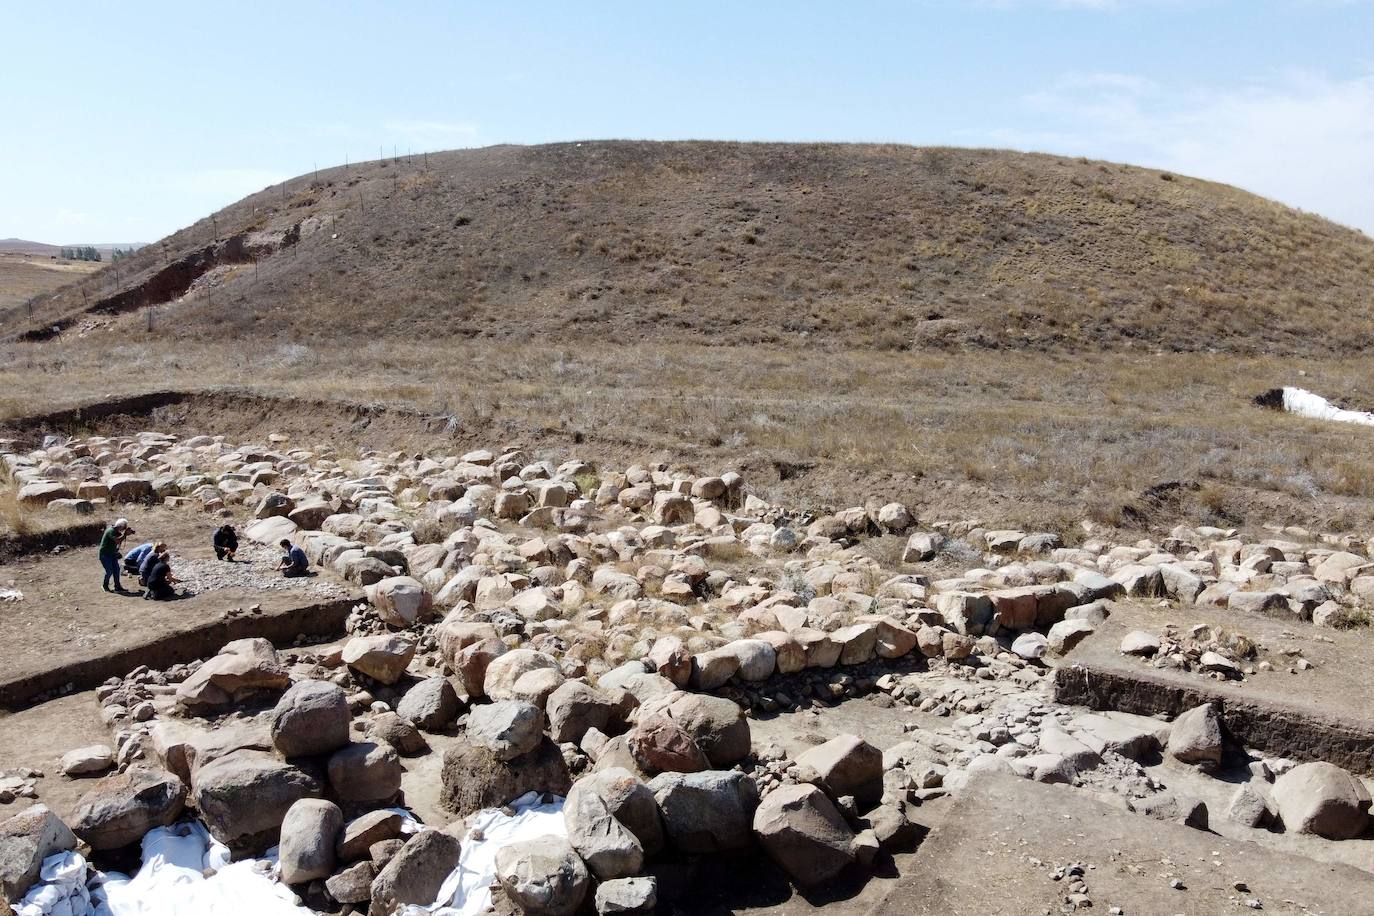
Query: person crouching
{"points": [[293, 562], [226, 543]]}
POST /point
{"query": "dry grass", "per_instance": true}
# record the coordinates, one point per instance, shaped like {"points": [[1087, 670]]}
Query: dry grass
{"points": [[24, 276], [1010, 437], [841, 247]]}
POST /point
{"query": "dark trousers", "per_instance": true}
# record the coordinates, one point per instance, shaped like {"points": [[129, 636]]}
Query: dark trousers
{"points": [[222, 552], [161, 591], [111, 564], [293, 572]]}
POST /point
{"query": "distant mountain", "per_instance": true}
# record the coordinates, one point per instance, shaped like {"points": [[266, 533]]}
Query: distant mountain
{"points": [[24, 246]]}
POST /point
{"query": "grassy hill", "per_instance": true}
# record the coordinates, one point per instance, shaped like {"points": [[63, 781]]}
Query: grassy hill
{"points": [[831, 246], [1021, 338]]}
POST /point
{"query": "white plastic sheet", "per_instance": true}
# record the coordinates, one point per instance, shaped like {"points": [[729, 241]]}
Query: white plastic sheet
{"points": [[467, 889], [61, 889], [1306, 404], [173, 880]]}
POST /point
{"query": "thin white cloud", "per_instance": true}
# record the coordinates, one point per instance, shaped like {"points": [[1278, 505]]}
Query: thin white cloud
{"points": [[1302, 138]]}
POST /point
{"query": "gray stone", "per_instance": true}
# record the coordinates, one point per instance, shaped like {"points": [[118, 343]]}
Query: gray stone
{"points": [[353, 884], [26, 839], [801, 830], [243, 797], [846, 765], [432, 704], [360, 834], [415, 873], [308, 835], [543, 876], [607, 846], [627, 897], [122, 807], [383, 658], [311, 718], [573, 708], [1196, 737], [631, 802], [706, 812], [1323, 799], [365, 772], [507, 728]]}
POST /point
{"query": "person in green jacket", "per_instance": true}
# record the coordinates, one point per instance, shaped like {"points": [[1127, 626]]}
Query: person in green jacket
{"points": [[110, 542]]}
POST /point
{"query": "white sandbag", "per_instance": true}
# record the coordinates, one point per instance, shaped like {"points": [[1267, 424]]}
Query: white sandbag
{"points": [[467, 889]]}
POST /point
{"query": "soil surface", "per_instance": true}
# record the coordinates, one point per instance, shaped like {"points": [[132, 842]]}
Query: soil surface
{"points": [[66, 617], [994, 855]]}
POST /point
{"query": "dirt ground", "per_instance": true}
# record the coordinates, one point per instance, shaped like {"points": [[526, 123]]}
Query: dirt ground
{"points": [[66, 617], [38, 737]]}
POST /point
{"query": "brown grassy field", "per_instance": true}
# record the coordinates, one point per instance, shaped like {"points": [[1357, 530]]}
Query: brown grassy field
{"points": [[1008, 437], [23, 276], [1026, 339]]}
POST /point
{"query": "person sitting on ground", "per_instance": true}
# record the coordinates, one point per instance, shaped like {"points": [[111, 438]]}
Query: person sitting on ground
{"points": [[226, 543], [293, 562], [150, 560], [161, 580], [110, 542], [134, 558]]}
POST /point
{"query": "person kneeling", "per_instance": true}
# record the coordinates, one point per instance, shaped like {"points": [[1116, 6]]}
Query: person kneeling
{"points": [[134, 558], [161, 580], [294, 562]]}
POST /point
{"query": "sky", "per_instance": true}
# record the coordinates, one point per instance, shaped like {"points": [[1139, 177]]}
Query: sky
{"points": [[125, 122]]}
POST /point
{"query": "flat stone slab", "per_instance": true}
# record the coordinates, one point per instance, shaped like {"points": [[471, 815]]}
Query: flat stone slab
{"points": [[1325, 713], [981, 860]]}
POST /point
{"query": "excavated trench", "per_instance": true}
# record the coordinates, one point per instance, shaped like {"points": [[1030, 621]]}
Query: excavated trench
{"points": [[172, 281]]}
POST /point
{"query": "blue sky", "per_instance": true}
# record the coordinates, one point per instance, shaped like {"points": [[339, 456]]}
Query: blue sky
{"points": [[127, 121]]}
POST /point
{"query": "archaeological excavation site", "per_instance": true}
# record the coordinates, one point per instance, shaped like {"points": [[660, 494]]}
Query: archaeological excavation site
{"points": [[522, 679], [687, 528]]}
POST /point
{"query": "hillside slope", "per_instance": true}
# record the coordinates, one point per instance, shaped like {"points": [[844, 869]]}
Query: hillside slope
{"points": [[831, 246]]}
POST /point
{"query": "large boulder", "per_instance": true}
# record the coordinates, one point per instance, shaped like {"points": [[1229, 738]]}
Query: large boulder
{"points": [[241, 670], [630, 801], [311, 718], [610, 849], [415, 874], [504, 673], [1324, 799], [1196, 737], [801, 830], [400, 600], [845, 765], [383, 657], [243, 797], [122, 807], [474, 778], [360, 834], [543, 876], [575, 707], [507, 729], [365, 772], [661, 745], [308, 836], [432, 704], [26, 839], [706, 812], [271, 531], [716, 724]]}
